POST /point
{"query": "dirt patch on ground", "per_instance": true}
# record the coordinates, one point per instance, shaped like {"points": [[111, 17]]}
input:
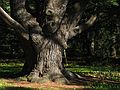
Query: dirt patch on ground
{"points": [[26, 84]]}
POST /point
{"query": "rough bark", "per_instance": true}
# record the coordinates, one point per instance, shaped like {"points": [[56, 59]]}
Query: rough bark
{"points": [[49, 62], [47, 37], [43, 55]]}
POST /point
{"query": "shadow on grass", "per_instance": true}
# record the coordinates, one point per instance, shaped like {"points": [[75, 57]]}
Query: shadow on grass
{"points": [[16, 88], [9, 69]]}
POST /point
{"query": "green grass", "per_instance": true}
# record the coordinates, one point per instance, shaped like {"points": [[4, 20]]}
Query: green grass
{"points": [[3, 84], [9, 68], [103, 72], [106, 86]]}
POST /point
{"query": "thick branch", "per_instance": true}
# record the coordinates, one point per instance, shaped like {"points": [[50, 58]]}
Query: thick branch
{"points": [[10, 21], [14, 24], [65, 16], [21, 15], [82, 27], [72, 16]]}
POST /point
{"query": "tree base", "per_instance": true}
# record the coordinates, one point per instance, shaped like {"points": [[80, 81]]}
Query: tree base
{"points": [[67, 77], [33, 77]]}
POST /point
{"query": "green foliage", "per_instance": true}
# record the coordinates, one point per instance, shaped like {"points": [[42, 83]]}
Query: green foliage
{"points": [[5, 4], [9, 44], [9, 47], [98, 40], [106, 2], [114, 2]]}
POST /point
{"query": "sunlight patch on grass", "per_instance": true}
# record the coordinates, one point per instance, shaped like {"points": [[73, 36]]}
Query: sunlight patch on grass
{"points": [[11, 64], [103, 73], [10, 68], [109, 73], [4, 84]]}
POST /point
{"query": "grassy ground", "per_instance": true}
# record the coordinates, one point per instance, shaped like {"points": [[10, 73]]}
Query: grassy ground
{"points": [[102, 77], [106, 77]]}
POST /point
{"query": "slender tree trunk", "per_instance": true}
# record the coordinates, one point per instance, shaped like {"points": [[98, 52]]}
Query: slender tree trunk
{"points": [[113, 49], [92, 43]]}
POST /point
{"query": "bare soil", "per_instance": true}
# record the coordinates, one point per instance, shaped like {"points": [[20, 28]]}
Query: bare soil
{"points": [[26, 84]]}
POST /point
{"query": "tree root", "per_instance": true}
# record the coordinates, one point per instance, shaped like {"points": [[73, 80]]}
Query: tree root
{"points": [[74, 78], [67, 77]]}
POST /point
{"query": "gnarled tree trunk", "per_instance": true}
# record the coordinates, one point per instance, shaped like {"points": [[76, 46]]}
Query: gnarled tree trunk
{"points": [[49, 62], [44, 36]]}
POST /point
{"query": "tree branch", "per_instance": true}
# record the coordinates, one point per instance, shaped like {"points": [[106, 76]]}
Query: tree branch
{"points": [[21, 15], [72, 16], [10, 21], [79, 29], [13, 23]]}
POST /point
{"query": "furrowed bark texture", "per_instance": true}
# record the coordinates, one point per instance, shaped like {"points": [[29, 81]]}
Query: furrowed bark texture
{"points": [[49, 62], [55, 23]]}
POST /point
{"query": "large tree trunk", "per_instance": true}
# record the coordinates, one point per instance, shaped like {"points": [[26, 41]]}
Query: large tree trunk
{"points": [[43, 42], [49, 61], [43, 55]]}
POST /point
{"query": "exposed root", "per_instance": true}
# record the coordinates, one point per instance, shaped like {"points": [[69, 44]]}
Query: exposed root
{"points": [[69, 77], [33, 77], [74, 78], [46, 78], [66, 77]]}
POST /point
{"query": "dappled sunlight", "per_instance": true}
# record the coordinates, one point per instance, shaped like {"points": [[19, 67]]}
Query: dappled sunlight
{"points": [[102, 72], [7, 69], [100, 77], [97, 77]]}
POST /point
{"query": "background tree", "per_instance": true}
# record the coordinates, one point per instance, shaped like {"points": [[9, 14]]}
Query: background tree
{"points": [[100, 42], [9, 47]]}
